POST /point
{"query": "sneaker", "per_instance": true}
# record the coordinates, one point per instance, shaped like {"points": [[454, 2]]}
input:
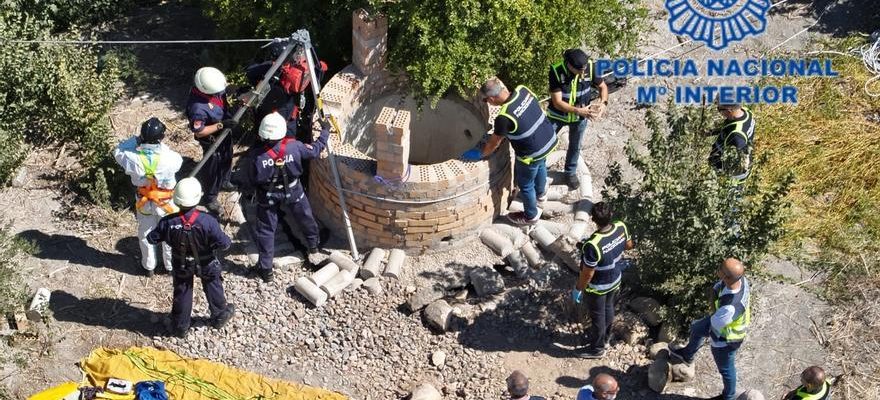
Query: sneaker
{"points": [[149, 273], [678, 356], [224, 317], [542, 198], [573, 182], [592, 353], [213, 207], [519, 218], [266, 274], [228, 187]]}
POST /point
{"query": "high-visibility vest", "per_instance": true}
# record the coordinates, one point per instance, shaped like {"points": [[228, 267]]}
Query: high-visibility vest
{"points": [[152, 192], [748, 134], [607, 275], [532, 136], [736, 330], [578, 88], [801, 394]]}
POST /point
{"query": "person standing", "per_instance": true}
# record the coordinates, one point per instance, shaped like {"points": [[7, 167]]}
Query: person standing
{"points": [[726, 327], [737, 133], [603, 387], [522, 121], [601, 271], [276, 172], [814, 386], [152, 166], [518, 387], [571, 81], [209, 114], [195, 237]]}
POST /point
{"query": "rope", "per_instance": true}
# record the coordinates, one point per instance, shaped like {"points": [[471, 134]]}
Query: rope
{"points": [[870, 55], [139, 41]]}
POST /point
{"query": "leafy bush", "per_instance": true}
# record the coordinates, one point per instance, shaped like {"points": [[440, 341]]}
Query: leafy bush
{"points": [[679, 212], [55, 94], [67, 13], [12, 288], [446, 44]]}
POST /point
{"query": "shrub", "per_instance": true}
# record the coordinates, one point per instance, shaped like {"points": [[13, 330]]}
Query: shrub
{"points": [[12, 288], [55, 94], [679, 212], [67, 13]]}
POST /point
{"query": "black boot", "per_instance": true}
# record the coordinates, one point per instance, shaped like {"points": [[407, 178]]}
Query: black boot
{"points": [[224, 317]]}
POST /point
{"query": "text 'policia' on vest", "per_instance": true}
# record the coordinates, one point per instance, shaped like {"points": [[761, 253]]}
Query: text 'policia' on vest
{"points": [[532, 136]]}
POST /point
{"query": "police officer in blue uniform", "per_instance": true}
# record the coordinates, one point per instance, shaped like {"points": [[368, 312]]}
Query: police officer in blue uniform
{"points": [[276, 172], [209, 113], [522, 121], [194, 237]]}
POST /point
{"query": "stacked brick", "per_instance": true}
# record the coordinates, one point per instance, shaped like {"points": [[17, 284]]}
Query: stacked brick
{"points": [[369, 37], [392, 138]]}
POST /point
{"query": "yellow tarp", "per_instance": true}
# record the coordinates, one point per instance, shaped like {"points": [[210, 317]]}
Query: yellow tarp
{"points": [[187, 379]]}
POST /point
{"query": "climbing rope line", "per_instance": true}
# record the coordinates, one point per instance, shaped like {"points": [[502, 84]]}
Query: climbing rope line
{"points": [[194, 41]]}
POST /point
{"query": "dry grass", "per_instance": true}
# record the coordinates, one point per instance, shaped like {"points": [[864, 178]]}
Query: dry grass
{"points": [[831, 141], [853, 336]]}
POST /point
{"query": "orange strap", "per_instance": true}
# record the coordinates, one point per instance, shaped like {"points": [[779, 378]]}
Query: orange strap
{"points": [[156, 195]]}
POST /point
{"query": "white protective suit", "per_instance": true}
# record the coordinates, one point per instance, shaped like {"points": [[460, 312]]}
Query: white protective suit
{"points": [[130, 156]]}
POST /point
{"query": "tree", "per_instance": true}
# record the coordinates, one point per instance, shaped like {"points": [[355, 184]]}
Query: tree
{"points": [[685, 218]]}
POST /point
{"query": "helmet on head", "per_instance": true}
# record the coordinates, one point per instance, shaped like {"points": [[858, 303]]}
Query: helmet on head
{"points": [[273, 127], [152, 131], [188, 192], [210, 80]]}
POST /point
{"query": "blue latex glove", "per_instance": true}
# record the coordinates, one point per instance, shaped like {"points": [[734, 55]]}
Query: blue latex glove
{"points": [[576, 295], [472, 155]]}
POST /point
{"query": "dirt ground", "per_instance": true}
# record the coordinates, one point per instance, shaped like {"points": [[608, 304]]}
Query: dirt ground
{"points": [[102, 299]]}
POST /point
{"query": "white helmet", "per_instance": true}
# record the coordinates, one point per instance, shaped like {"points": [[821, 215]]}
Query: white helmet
{"points": [[273, 127], [210, 80], [188, 192]]}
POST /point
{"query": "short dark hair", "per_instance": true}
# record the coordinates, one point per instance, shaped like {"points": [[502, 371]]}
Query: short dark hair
{"points": [[601, 213]]}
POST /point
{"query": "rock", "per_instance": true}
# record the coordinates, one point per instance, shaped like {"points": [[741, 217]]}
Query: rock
{"points": [[659, 375], [21, 178], [395, 263], [373, 285], [486, 281], [518, 263], [425, 391], [423, 297], [439, 315], [629, 328], [373, 264], [666, 333], [287, 261], [659, 349], [648, 309], [438, 358], [494, 240], [683, 372], [750, 394]]}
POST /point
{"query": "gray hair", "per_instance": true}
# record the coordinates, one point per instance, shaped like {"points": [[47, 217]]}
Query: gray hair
{"points": [[492, 88]]}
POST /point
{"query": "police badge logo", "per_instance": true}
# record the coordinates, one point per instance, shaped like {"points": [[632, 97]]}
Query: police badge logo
{"points": [[717, 22]]}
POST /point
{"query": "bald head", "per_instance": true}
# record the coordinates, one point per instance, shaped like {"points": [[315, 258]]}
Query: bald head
{"points": [[518, 384], [605, 387], [813, 377], [731, 271]]}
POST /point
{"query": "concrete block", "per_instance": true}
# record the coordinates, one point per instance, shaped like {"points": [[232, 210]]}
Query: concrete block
{"points": [[486, 281], [286, 261], [310, 291], [648, 310], [518, 263], [373, 285], [337, 283], [499, 243], [565, 248], [533, 257], [577, 230], [425, 391], [355, 285], [555, 228], [321, 276], [373, 264], [344, 262], [657, 350], [555, 209], [439, 315], [557, 155], [558, 193], [543, 237], [666, 333], [513, 233], [585, 191], [423, 297], [395, 263]]}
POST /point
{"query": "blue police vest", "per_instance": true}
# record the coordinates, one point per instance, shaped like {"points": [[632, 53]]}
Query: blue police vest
{"points": [[608, 269], [575, 91], [532, 136]]}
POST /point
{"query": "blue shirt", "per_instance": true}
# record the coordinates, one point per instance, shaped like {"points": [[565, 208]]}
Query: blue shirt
{"points": [[201, 112], [264, 170], [206, 231], [277, 100]]}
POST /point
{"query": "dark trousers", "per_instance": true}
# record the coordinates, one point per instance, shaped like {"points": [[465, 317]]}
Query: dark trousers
{"points": [[575, 137], [212, 284], [216, 171], [601, 316], [267, 222]]}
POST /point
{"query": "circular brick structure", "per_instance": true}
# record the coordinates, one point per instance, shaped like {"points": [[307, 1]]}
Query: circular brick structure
{"points": [[402, 181]]}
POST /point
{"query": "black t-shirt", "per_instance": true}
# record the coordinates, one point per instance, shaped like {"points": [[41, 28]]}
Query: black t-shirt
{"points": [[556, 85], [503, 126]]}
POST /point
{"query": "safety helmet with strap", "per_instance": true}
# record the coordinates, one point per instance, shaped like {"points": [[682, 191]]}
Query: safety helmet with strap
{"points": [[273, 127], [209, 80], [152, 131], [188, 192]]}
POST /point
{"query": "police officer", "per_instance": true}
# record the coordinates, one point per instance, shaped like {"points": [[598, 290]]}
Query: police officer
{"points": [[194, 237], [518, 387], [208, 112], [277, 167], [151, 165], [726, 327], [601, 271], [738, 133], [813, 386], [571, 80], [603, 387], [522, 121]]}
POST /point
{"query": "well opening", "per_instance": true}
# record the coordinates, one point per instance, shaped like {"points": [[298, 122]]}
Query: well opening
{"points": [[437, 134]]}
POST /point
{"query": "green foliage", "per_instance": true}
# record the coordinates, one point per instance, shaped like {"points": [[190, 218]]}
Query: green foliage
{"points": [[682, 214], [12, 288], [54, 94], [457, 44], [450, 44], [67, 13]]}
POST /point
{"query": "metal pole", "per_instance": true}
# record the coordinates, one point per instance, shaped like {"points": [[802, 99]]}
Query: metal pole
{"points": [[259, 94], [303, 36]]}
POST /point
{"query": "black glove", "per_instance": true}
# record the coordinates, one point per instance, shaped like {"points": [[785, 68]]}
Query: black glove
{"points": [[325, 123], [229, 123]]}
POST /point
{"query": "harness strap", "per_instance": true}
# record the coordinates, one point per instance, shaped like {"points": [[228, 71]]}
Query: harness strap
{"points": [[188, 246], [279, 168], [152, 192]]}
